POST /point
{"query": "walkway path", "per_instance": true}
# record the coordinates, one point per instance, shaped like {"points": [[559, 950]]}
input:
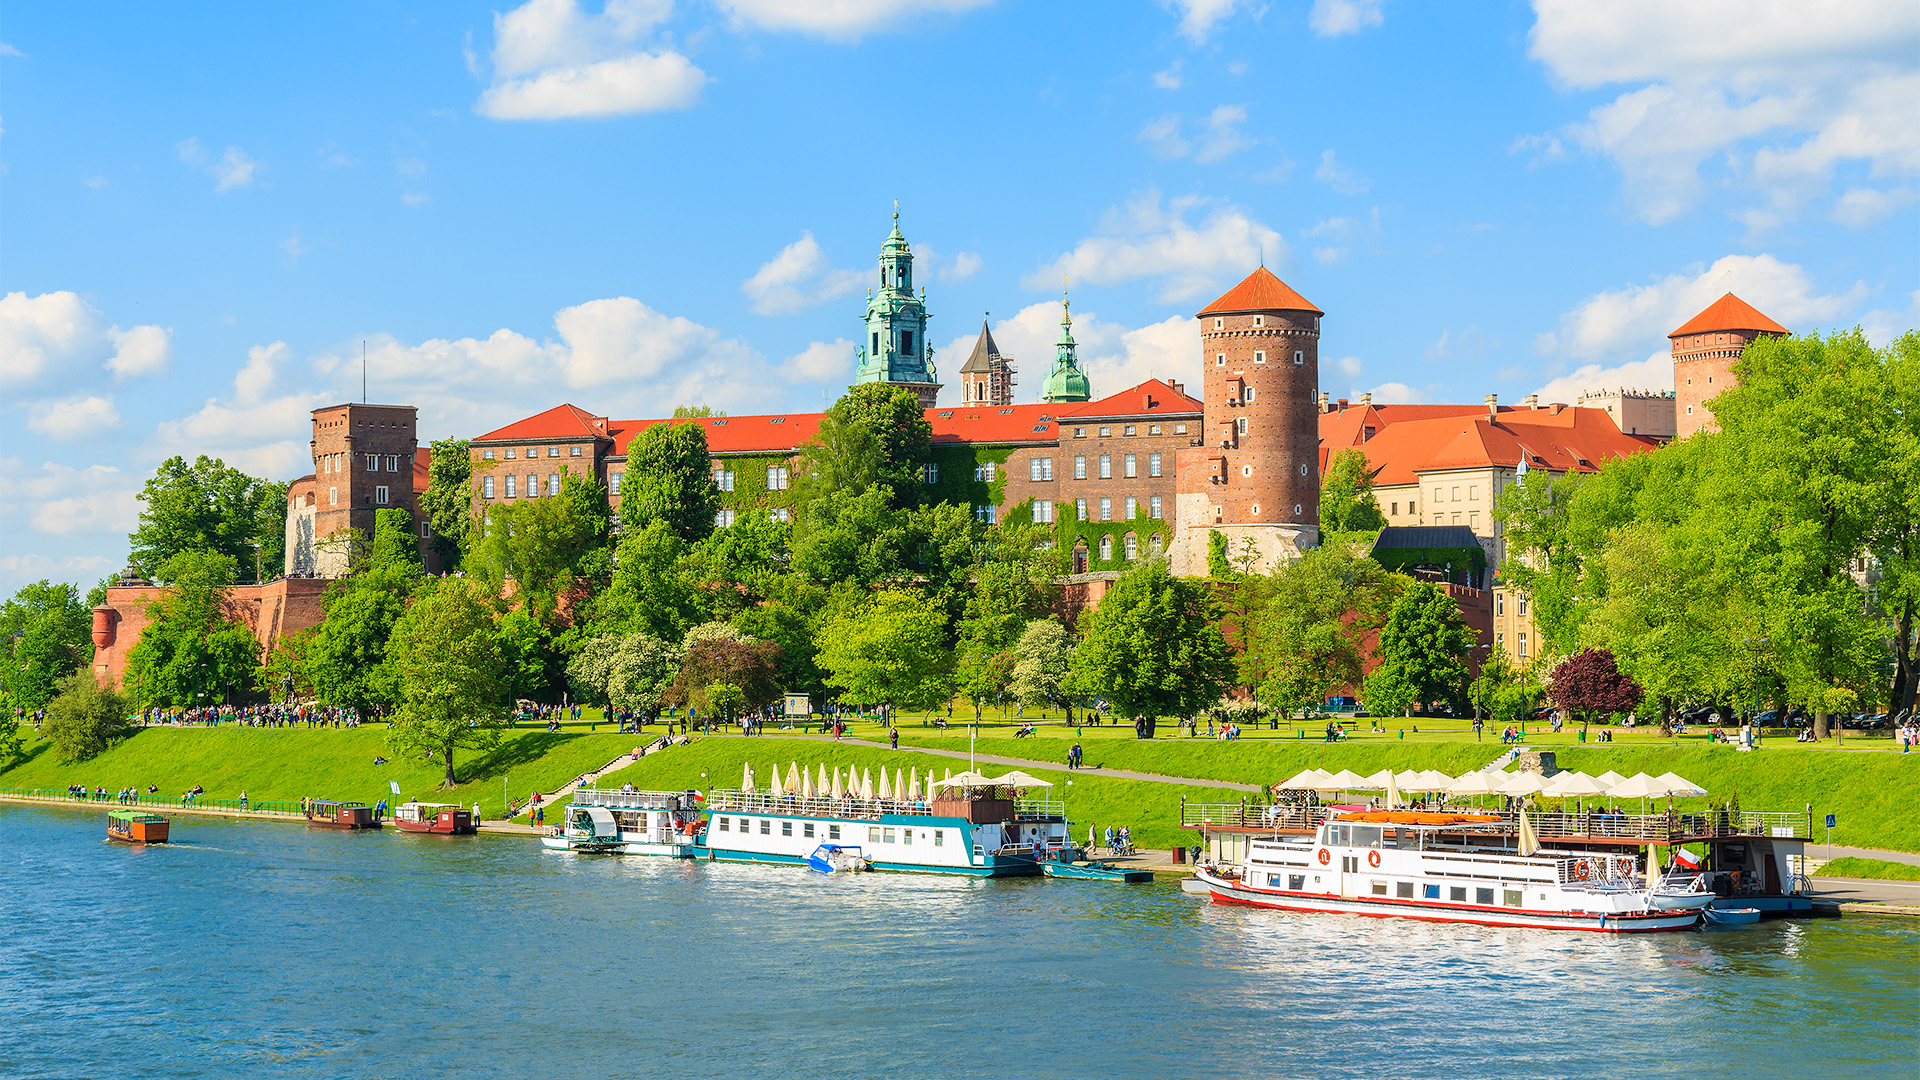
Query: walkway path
{"points": [[1018, 763], [621, 762]]}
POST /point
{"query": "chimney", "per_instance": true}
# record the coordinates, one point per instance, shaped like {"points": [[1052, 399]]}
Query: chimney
{"points": [[1493, 405], [1557, 406], [1324, 406], [1366, 400], [1343, 404], [1533, 401], [1178, 388]]}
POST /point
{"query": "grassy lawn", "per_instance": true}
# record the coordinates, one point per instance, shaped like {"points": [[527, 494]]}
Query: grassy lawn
{"points": [[289, 764], [1878, 869]]}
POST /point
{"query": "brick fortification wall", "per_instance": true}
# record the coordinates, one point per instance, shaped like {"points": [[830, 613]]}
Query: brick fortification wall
{"points": [[273, 611]]}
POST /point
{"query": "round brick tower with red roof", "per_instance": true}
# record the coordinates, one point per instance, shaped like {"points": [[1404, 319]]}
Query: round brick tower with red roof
{"points": [[1257, 476], [1703, 354]]}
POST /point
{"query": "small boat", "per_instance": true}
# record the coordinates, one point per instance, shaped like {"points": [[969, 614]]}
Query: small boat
{"points": [[328, 814], [136, 827], [829, 858], [588, 829], [665, 823], [1066, 863], [1733, 916], [446, 819]]}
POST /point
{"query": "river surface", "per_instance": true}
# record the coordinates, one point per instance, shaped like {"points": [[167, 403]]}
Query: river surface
{"points": [[271, 950]]}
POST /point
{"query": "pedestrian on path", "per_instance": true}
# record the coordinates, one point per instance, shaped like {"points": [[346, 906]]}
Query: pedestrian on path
{"points": [[893, 738]]}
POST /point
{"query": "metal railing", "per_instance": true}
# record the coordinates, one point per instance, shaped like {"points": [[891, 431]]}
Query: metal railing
{"points": [[1599, 824], [1279, 818], [634, 800], [722, 801], [170, 802]]}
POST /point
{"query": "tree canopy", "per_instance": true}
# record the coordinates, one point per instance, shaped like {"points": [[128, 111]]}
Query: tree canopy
{"points": [[209, 506], [193, 651], [1422, 654], [84, 717], [1309, 632], [446, 658], [1346, 495], [47, 635], [669, 478], [447, 504], [891, 650], [1151, 648]]}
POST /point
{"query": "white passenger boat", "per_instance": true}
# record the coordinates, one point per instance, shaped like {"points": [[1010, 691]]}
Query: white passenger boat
{"points": [[1447, 868], [665, 823], [586, 828], [971, 825]]}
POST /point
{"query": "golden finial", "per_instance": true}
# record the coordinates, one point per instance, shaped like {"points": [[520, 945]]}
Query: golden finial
{"points": [[896, 212]]}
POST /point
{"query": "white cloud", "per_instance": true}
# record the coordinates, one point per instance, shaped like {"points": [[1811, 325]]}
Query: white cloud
{"points": [[825, 361], [1199, 17], [8, 50], [411, 168], [234, 170], [1779, 91], [1653, 373], [190, 152], [250, 386], [415, 198], [1864, 206], [1639, 317], [59, 333], [1349, 366], [798, 278], [551, 61], [1170, 78], [1219, 136], [1342, 178], [73, 418], [1148, 240], [1882, 325], [1327, 256], [1399, 393], [293, 247], [964, 265], [64, 501], [93, 183], [1331, 18], [839, 20]]}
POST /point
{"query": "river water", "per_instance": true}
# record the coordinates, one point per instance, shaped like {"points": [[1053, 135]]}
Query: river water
{"points": [[266, 949]]}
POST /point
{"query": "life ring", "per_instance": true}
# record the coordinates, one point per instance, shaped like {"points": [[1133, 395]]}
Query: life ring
{"points": [[1623, 867], [1373, 859], [1325, 856], [1581, 870]]}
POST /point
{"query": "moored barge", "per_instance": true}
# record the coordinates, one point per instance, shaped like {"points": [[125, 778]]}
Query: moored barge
{"points": [[137, 827], [667, 823], [443, 819], [328, 814]]}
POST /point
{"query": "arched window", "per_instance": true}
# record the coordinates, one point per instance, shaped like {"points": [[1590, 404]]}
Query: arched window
{"points": [[1080, 557], [1131, 546], [1106, 549]]}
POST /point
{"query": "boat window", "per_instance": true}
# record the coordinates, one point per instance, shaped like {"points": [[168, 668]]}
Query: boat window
{"points": [[809, 828], [939, 837], [766, 826], [1379, 888], [833, 832], [1403, 890], [786, 828], [1458, 892], [723, 825], [1483, 896], [1432, 892], [1340, 834], [888, 836], [1512, 897], [1296, 882], [1273, 880], [906, 836], [873, 835], [1366, 835]]}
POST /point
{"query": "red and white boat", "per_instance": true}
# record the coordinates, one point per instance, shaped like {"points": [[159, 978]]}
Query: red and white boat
{"points": [[447, 819], [1445, 867]]}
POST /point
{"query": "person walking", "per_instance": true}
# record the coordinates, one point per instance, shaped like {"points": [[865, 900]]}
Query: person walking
{"points": [[893, 738]]}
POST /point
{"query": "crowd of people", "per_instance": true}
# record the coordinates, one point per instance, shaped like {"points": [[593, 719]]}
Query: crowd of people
{"points": [[279, 715]]}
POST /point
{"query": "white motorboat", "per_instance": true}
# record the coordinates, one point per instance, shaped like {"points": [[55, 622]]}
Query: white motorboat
{"points": [[667, 823], [589, 829], [833, 858], [1450, 868]]}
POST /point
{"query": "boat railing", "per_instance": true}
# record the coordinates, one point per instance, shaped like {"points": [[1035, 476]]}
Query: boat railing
{"points": [[723, 801], [1039, 808], [1598, 869], [615, 799], [1666, 827], [1281, 817]]}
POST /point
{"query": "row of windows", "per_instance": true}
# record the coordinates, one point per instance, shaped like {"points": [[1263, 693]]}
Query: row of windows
{"points": [[512, 487], [1500, 642], [1129, 466], [1413, 507], [1129, 546], [778, 478], [334, 462], [1129, 429], [1259, 357], [382, 496], [532, 452], [1500, 603], [1043, 509], [876, 834], [1440, 494], [725, 518]]}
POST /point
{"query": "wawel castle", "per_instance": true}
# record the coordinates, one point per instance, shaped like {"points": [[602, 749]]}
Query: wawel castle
{"points": [[1120, 474]]}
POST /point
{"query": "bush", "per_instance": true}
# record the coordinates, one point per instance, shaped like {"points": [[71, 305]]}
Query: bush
{"points": [[84, 718]]}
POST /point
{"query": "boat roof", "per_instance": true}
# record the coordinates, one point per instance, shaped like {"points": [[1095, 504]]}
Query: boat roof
{"points": [[135, 815], [435, 805]]}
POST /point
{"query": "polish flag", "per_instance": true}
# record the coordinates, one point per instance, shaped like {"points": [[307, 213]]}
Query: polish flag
{"points": [[1685, 860]]}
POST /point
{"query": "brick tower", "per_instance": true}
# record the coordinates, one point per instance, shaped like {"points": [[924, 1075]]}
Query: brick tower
{"points": [[987, 377], [1256, 474], [363, 457], [1703, 354]]}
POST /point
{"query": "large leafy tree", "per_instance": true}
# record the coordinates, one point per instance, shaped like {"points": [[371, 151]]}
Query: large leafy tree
{"points": [[739, 566], [851, 536], [209, 506], [625, 671], [1346, 495], [344, 658], [1152, 648], [876, 435], [1894, 539], [552, 549], [1504, 690], [890, 651], [1423, 651], [1043, 666], [46, 633], [447, 504], [194, 651], [1309, 633], [748, 665], [670, 478], [447, 659], [84, 717], [650, 590], [1589, 684]]}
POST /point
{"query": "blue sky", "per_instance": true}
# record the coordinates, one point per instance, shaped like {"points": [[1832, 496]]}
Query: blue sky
{"points": [[208, 209]]}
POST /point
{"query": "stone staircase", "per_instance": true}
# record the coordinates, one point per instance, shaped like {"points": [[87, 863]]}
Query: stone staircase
{"points": [[593, 777]]}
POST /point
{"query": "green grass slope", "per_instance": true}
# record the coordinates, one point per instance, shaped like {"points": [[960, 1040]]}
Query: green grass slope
{"points": [[1875, 869]]}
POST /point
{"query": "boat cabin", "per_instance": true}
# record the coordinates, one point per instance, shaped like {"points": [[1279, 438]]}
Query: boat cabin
{"points": [[137, 827], [329, 814]]}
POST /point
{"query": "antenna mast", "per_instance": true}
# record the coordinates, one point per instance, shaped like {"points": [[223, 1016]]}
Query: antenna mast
{"points": [[363, 371]]}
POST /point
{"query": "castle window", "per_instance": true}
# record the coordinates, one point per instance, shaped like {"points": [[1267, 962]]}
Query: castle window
{"points": [[1218, 322], [510, 487], [779, 515], [533, 485], [983, 512], [553, 483], [380, 496], [1689, 410], [1412, 507], [723, 519], [1153, 464], [1131, 547], [723, 479], [1133, 508], [1153, 543], [1259, 320], [983, 472], [1246, 394], [1246, 470], [1079, 466], [930, 473], [1106, 432], [906, 342], [876, 343], [573, 451], [509, 453], [1106, 512], [613, 483], [1260, 357], [1522, 598], [1254, 509], [1179, 429], [1130, 467], [373, 462], [1106, 466], [1240, 426], [1043, 511], [1154, 430], [1296, 510], [1040, 469], [1080, 509], [776, 478], [333, 493], [1219, 359], [1523, 646], [1153, 507], [1128, 430], [1299, 356], [1456, 494], [1079, 433], [1303, 470], [426, 531], [393, 463]]}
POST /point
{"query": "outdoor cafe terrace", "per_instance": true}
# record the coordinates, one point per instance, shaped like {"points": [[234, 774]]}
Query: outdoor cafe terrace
{"points": [[1590, 826], [851, 806]]}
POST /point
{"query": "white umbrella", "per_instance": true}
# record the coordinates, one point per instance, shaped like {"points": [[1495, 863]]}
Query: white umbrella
{"points": [[1680, 785], [1393, 791], [825, 784], [746, 778], [886, 785], [839, 789], [793, 777], [966, 780], [1573, 783], [776, 785], [806, 783], [1526, 783], [1407, 780], [1304, 780], [1473, 783], [900, 785], [1638, 786], [1609, 778], [913, 786], [1018, 779], [866, 784], [1377, 781], [1434, 780], [1343, 781]]}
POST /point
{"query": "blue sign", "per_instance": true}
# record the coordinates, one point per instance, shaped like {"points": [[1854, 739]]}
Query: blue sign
{"points": [[1829, 821]]}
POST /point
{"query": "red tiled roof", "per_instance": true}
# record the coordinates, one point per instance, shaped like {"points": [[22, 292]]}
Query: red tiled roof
{"points": [[1151, 397], [767, 433], [1260, 291], [1556, 440], [559, 422], [1728, 313]]}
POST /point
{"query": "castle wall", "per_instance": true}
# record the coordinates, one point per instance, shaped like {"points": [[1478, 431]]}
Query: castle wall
{"points": [[273, 611]]}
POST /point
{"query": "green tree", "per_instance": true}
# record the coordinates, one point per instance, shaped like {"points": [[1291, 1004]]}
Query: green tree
{"points": [[690, 412], [206, 506], [650, 590], [749, 666], [1422, 653], [194, 651], [625, 672], [739, 566], [1894, 542], [670, 478], [527, 650], [447, 503], [1505, 691], [889, 651], [1217, 567], [47, 635], [876, 435], [849, 536], [1346, 495], [552, 549], [446, 655], [1309, 634], [1152, 648], [1043, 666], [84, 717], [782, 623], [345, 656], [270, 530]]}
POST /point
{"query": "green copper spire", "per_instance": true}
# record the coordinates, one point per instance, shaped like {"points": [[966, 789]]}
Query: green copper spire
{"points": [[896, 349], [1066, 382]]}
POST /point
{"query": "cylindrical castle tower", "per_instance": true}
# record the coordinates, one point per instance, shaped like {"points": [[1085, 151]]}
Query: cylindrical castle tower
{"points": [[1257, 474]]}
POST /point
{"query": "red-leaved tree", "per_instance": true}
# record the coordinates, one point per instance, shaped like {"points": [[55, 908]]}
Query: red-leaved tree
{"points": [[1589, 683]]}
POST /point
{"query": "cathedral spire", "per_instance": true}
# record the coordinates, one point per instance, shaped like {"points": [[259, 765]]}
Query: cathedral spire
{"points": [[896, 349], [1066, 382]]}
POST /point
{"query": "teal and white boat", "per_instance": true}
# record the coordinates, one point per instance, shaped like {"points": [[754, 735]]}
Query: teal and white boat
{"points": [[1068, 865], [965, 824], [664, 823]]}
